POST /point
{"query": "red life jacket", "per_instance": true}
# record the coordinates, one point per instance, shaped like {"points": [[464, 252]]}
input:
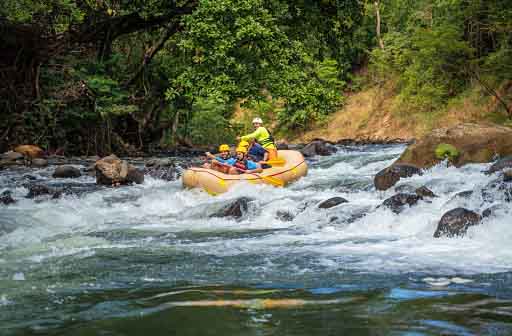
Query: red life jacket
{"points": [[240, 165]]}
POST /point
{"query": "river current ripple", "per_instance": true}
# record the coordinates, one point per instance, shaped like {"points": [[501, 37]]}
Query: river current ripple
{"points": [[150, 259]]}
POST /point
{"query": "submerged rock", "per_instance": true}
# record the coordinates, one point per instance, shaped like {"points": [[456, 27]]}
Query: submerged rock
{"points": [[332, 202], [456, 222], [284, 216], [474, 143], [111, 170], [6, 198], [36, 190], [235, 209], [397, 202], [318, 147], [388, 177], [66, 172]]}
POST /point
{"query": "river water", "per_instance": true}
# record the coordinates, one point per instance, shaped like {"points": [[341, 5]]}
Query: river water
{"points": [[150, 259]]}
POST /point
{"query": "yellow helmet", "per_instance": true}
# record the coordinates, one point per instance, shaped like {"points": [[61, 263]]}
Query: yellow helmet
{"points": [[224, 148], [243, 143], [241, 150]]}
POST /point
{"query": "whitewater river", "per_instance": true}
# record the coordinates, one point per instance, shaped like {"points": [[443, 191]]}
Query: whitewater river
{"points": [[149, 260]]}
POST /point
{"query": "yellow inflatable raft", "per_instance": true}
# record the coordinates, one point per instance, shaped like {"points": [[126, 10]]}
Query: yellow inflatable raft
{"points": [[215, 182]]}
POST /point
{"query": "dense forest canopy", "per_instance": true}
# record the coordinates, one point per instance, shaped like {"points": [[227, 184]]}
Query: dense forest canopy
{"points": [[95, 76]]}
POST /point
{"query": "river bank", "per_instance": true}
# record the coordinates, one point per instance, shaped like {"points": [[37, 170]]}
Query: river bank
{"points": [[152, 257]]}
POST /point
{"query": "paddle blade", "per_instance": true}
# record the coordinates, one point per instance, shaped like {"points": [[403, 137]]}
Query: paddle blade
{"points": [[278, 162], [273, 180]]}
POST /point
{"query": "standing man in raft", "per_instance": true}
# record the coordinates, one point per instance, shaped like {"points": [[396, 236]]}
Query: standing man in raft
{"points": [[263, 137]]}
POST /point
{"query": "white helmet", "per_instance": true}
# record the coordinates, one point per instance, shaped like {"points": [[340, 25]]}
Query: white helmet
{"points": [[257, 120]]}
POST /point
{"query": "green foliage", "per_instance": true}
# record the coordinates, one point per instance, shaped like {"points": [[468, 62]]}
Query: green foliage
{"points": [[446, 151], [208, 124]]}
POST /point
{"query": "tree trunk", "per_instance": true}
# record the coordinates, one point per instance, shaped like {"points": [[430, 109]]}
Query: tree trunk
{"points": [[377, 28]]}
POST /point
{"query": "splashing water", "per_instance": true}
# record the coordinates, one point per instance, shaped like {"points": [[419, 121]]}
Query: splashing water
{"points": [[83, 260]]}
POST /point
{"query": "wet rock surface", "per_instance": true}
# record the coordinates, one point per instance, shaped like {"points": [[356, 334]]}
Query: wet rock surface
{"points": [[318, 147], [397, 203], [66, 172], [388, 177], [425, 192], [504, 163], [6, 198], [456, 222], [332, 202], [164, 169], [111, 170], [236, 209]]}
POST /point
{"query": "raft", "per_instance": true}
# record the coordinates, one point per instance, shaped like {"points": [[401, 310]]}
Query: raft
{"points": [[214, 182]]}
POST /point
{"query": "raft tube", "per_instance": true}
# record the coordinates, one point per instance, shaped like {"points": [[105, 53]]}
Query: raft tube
{"points": [[214, 182]]}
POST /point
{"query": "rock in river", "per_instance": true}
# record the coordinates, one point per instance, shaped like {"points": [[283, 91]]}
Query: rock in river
{"points": [[397, 202], [318, 147], [111, 170], [6, 198], [504, 163], [66, 172], [332, 202], [456, 222], [388, 177], [235, 209]]}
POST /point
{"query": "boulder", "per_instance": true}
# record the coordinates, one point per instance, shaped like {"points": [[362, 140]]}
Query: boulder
{"points": [[6, 198], [425, 192], [235, 209], [456, 222], [497, 190], [501, 164], [397, 202], [474, 143], [12, 156], [388, 177], [66, 172], [164, 169], [331, 202], [111, 170], [30, 151], [39, 162], [507, 175], [318, 147]]}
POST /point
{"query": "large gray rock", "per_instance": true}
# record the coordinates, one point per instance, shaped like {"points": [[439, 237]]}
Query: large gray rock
{"points": [[318, 147], [332, 202], [235, 209], [456, 222], [39, 162], [388, 177], [66, 172], [111, 170], [397, 203]]}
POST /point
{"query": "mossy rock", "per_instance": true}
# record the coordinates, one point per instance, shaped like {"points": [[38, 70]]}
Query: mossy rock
{"points": [[446, 151]]}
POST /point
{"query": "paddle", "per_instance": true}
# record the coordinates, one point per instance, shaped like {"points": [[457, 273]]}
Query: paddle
{"points": [[271, 180], [276, 162]]}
